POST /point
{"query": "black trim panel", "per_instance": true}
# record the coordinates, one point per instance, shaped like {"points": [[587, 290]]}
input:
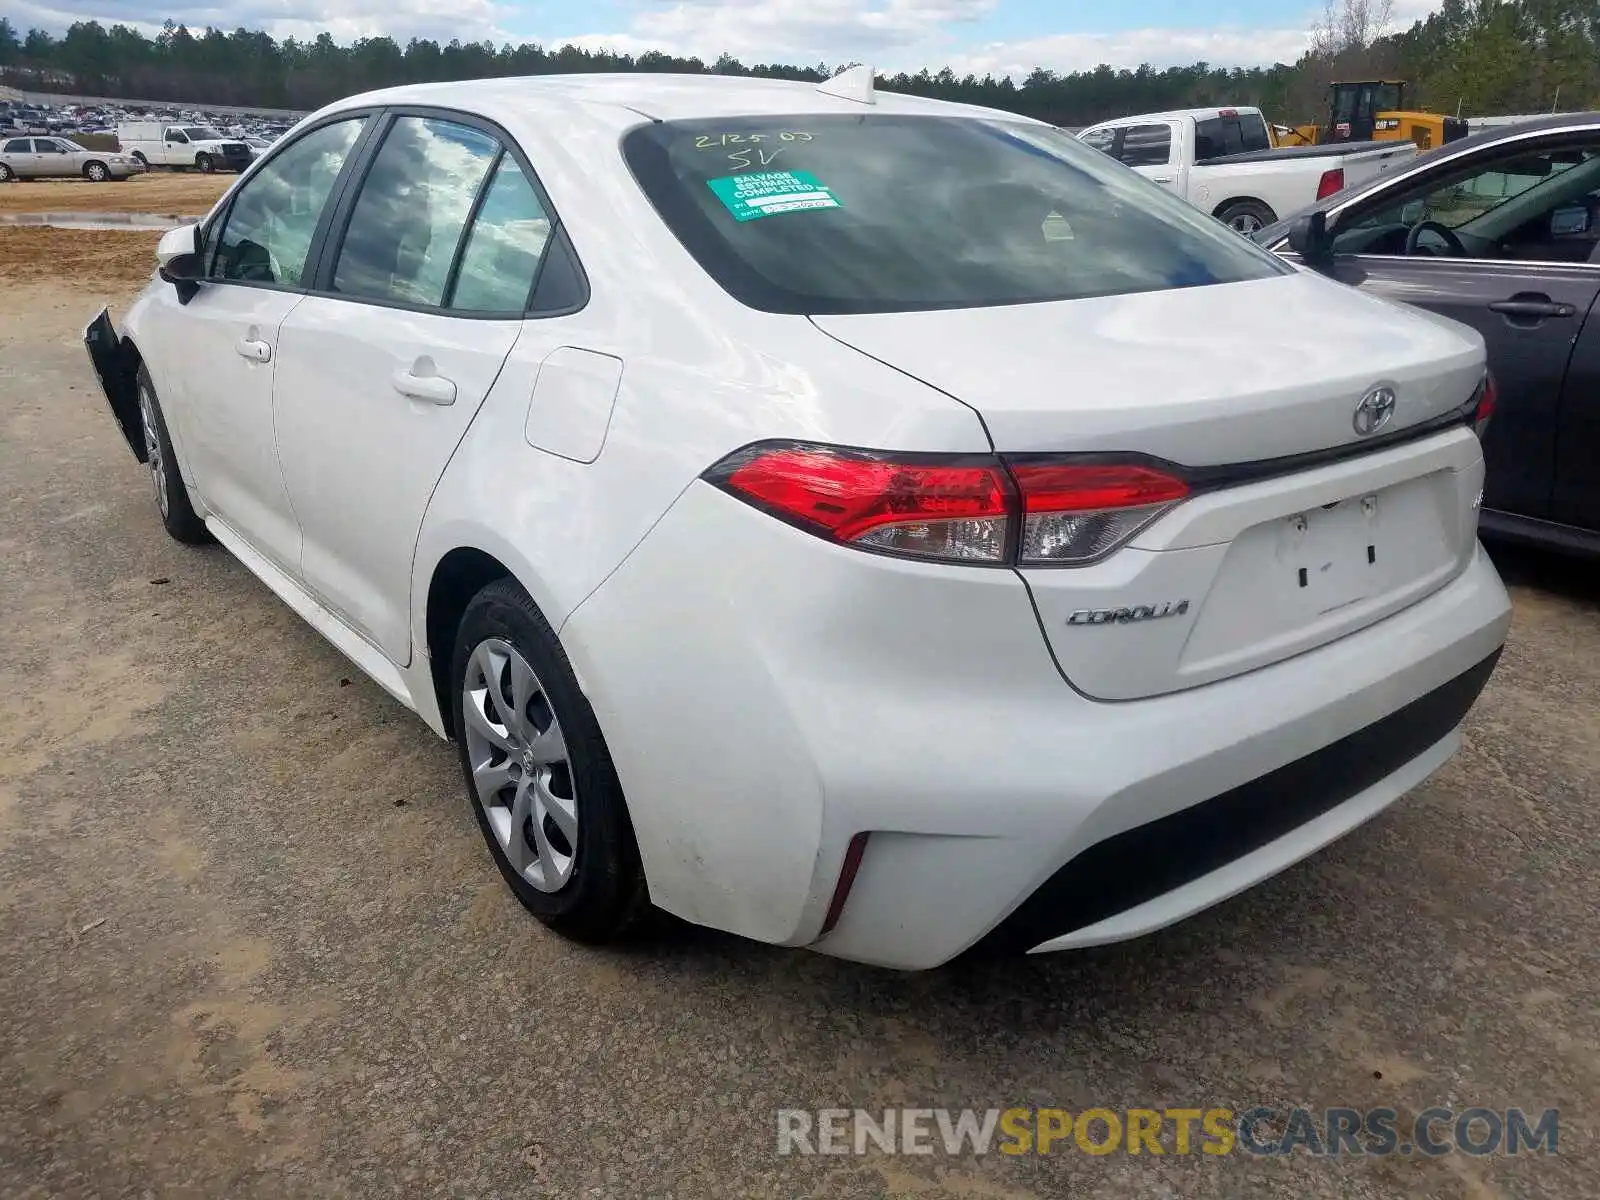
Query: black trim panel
{"points": [[1139, 864], [1532, 531]]}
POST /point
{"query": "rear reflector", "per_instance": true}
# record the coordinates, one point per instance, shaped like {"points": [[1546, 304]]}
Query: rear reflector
{"points": [[1331, 182], [1488, 395], [952, 508], [847, 880]]}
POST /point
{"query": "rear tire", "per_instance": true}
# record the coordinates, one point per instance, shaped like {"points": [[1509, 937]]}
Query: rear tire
{"points": [[1246, 216], [6, 174], [141, 160], [96, 172], [538, 774], [203, 164], [172, 498]]}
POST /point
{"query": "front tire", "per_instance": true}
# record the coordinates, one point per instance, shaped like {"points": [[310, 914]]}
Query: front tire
{"points": [[203, 164], [538, 774], [96, 172], [172, 498], [1246, 216]]}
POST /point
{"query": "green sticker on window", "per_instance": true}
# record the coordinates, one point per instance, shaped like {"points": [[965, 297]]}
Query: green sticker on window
{"points": [[767, 192]]}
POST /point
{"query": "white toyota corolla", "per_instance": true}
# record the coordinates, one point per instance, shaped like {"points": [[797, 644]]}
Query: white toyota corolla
{"points": [[849, 520]]}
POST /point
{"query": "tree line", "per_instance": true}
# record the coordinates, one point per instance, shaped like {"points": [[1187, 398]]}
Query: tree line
{"points": [[1472, 56]]}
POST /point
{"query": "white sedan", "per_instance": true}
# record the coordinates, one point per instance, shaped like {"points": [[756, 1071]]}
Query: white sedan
{"points": [[845, 519]]}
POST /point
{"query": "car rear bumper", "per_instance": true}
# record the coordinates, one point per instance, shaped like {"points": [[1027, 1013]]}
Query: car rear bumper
{"points": [[767, 697]]}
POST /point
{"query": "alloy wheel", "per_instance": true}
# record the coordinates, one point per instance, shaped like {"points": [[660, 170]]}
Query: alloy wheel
{"points": [[1246, 223], [152, 449], [521, 775]]}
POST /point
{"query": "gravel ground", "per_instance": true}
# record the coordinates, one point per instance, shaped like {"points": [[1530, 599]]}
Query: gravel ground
{"points": [[251, 943]]}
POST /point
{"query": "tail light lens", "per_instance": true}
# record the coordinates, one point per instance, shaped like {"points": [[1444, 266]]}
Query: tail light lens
{"points": [[952, 508], [1488, 395], [1331, 182], [1074, 514], [941, 508]]}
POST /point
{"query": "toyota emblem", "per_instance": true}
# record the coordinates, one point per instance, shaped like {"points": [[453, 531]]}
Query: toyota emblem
{"points": [[1374, 411]]}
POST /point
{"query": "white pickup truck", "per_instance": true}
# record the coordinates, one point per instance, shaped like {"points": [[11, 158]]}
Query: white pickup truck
{"points": [[177, 145], [1222, 161]]}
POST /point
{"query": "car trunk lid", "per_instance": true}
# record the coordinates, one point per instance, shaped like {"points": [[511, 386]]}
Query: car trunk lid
{"points": [[1294, 534]]}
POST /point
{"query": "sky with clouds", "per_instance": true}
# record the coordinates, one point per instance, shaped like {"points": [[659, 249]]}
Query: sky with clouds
{"points": [[1000, 36]]}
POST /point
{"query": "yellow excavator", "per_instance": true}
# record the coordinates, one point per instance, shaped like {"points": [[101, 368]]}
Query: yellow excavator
{"points": [[1373, 110]]}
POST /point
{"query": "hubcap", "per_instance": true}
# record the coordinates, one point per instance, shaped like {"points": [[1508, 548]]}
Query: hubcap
{"points": [[97, 173], [152, 449], [520, 771], [1246, 223]]}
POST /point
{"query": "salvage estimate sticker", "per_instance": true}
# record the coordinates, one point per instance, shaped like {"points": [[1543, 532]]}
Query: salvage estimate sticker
{"points": [[767, 192]]}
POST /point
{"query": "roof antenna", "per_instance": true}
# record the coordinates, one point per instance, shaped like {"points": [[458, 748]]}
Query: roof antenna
{"points": [[852, 83]]}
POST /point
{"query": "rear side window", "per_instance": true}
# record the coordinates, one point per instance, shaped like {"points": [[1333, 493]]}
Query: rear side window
{"points": [[267, 233], [504, 246], [17, 146], [1217, 136], [885, 213], [1146, 146], [412, 211]]}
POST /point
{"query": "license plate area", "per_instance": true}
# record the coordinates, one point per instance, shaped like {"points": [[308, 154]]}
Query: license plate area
{"points": [[1295, 581], [1332, 553]]}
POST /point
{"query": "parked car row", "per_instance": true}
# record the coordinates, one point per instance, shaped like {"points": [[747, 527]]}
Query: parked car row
{"points": [[188, 139]]}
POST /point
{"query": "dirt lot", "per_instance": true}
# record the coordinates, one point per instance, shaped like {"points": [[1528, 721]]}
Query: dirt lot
{"points": [[100, 258], [251, 943], [182, 194]]}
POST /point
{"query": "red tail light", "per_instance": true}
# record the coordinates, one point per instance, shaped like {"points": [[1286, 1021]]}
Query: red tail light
{"points": [[969, 509], [1331, 182], [1488, 394]]}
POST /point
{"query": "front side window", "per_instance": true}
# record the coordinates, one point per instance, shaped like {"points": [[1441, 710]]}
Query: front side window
{"points": [[886, 213], [1537, 204], [1146, 145], [503, 249], [176, 135], [267, 232], [200, 133], [48, 146], [412, 211], [1101, 139]]}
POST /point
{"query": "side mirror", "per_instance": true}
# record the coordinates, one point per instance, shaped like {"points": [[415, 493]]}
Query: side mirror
{"points": [[1309, 238], [178, 260]]}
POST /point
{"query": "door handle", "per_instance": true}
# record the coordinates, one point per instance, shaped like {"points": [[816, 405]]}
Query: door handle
{"points": [[1532, 306], [254, 349], [435, 389], [1161, 179]]}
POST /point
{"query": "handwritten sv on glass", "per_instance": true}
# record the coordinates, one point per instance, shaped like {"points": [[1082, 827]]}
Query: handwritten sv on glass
{"points": [[750, 149]]}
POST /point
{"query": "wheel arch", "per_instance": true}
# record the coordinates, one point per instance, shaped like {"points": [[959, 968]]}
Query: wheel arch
{"points": [[1233, 200], [457, 577]]}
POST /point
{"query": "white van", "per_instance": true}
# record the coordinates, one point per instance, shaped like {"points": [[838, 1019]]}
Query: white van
{"points": [[159, 144]]}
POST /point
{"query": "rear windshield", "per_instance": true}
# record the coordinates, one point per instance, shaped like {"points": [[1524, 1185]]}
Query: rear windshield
{"points": [[877, 213]]}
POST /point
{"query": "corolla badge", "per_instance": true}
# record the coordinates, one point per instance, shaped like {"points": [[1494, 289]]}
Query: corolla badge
{"points": [[1128, 616], [1374, 411]]}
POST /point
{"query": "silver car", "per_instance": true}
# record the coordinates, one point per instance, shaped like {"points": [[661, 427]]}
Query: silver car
{"points": [[59, 157]]}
